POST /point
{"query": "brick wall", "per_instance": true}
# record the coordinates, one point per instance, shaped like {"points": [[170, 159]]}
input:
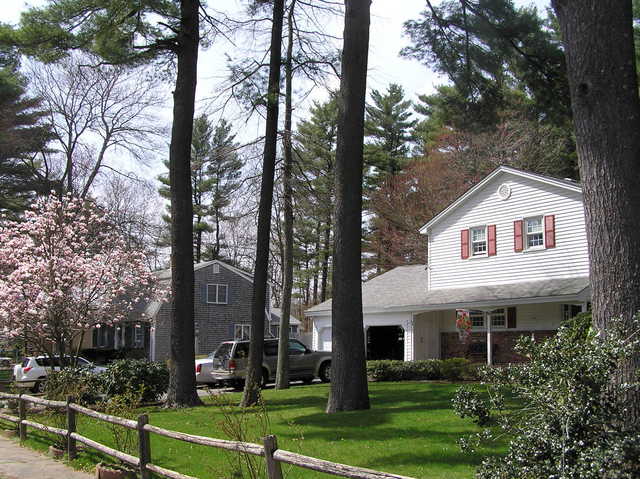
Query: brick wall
{"points": [[503, 342], [214, 322]]}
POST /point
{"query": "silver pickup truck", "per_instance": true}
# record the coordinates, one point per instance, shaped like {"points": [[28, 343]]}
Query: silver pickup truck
{"points": [[231, 357]]}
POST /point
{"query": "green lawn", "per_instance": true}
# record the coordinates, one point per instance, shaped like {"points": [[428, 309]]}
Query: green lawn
{"points": [[410, 430]]}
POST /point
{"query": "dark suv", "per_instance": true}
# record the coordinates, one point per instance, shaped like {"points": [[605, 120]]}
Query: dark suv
{"points": [[231, 357]]}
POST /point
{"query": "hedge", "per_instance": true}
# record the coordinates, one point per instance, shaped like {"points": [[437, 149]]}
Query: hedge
{"points": [[453, 369]]}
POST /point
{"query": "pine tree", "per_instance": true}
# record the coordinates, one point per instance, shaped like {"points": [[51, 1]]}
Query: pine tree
{"points": [[215, 171], [23, 134], [315, 147], [389, 126]]}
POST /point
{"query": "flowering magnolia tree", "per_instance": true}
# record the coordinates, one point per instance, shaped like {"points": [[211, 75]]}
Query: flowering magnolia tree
{"points": [[63, 270]]}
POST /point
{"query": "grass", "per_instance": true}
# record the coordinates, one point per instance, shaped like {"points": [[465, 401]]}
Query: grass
{"points": [[409, 430]]}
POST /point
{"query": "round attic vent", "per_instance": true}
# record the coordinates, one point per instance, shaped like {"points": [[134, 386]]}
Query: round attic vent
{"points": [[504, 191]]}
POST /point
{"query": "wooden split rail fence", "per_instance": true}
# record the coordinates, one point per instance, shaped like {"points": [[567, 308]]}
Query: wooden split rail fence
{"points": [[269, 449]]}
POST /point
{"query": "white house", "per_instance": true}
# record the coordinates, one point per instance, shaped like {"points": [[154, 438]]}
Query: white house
{"points": [[512, 250]]}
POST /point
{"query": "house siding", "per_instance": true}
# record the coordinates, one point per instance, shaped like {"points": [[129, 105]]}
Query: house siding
{"points": [[528, 198], [214, 323]]}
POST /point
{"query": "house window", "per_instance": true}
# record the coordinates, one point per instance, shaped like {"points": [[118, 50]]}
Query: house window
{"points": [[101, 336], [479, 241], [534, 232], [498, 318], [293, 331], [138, 336], [477, 319], [216, 268], [570, 311], [217, 293], [242, 332]]}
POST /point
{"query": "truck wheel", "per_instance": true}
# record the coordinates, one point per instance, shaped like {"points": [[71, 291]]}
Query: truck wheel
{"points": [[325, 372]]}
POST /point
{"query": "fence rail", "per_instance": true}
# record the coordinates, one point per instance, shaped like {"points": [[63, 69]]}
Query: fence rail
{"points": [[269, 449]]}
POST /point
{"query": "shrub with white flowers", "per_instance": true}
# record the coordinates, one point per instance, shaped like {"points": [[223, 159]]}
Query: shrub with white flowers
{"points": [[63, 270], [564, 414]]}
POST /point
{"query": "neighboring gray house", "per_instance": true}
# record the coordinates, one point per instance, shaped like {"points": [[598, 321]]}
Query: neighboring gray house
{"points": [[222, 303]]}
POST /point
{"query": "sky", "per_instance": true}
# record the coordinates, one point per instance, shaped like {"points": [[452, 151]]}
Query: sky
{"points": [[385, 64]]}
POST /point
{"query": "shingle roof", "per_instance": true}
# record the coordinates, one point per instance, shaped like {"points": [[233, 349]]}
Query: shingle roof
{"points": [[403, 285], [276, 314], [405, 288], [165, 274], [551, 288]]}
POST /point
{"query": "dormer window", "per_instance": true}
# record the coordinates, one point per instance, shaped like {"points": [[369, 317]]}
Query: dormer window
{"points": [[534, 232], [479, 241]]}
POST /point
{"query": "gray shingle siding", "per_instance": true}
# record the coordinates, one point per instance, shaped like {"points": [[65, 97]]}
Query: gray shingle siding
{"points": [[213, 322]]}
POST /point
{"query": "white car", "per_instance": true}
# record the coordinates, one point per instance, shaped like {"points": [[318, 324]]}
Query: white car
{"points": [[32, 372], [204, 368]]}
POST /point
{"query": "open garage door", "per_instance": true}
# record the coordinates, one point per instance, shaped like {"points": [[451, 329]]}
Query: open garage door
{"points": [[385, 342]]}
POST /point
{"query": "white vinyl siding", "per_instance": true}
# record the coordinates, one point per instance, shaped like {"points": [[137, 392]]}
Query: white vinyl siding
{"points": [[529, 198]]}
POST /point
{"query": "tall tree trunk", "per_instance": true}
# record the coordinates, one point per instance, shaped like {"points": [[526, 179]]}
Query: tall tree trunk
{"points": [[216, 252], [182, 383], [282, 371], [326, 253], [316, 263], [349, 389], [251, 393], [599, 49], [198, 240]]}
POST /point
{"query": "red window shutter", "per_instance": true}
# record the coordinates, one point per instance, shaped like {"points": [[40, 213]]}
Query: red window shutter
{"points": [[464, 244], [550, 231], [517, 236], [511, 317], [491, 240]]}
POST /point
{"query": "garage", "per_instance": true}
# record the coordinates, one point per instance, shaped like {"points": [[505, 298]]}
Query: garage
{"points": [[385, 342], [325, 339]]}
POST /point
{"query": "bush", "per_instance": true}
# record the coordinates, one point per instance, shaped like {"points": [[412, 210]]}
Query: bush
{"points": [[455, 369], [570, 418], [147, 379], [428, 369], [82, 384]]}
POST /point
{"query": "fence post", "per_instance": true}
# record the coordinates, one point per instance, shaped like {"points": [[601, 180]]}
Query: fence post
{"points": [[71, 428], [144, 445], [274, 471], [22, 413]]}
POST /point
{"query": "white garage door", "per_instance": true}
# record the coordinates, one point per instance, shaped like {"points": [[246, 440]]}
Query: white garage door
{"points": [[325, 339]]}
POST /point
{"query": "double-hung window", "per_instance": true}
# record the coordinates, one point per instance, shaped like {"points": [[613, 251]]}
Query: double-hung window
{"points": [[477, 319], [217, 293], [534, 231], [479, 241], [138, 336], [242, 332], [498, 318]]}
